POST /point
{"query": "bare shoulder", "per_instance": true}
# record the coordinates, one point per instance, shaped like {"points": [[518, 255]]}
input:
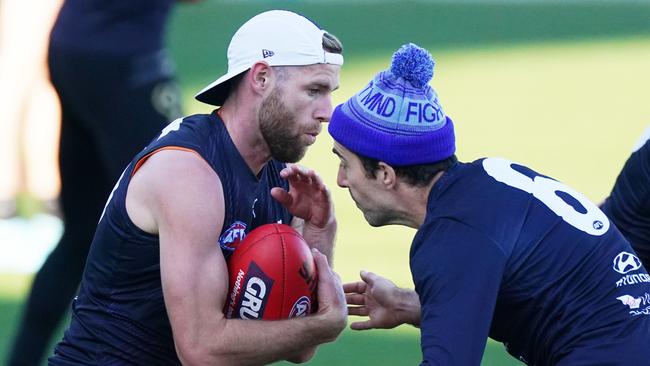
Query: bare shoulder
{"points": [[171, 184]]}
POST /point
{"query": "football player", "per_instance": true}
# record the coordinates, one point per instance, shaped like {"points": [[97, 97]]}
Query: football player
{"points": [[501, 251], [156, 278]]}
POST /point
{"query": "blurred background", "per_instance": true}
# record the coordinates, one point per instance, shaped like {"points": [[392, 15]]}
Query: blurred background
{"points": [[560, 86]]}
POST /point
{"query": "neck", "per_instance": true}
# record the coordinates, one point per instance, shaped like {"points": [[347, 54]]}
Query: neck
{"points": [[243, 127], [413, 203]]}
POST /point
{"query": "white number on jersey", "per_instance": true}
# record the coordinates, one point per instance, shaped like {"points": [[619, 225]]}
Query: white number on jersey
{"points": [[642, 140], [172, 126], [593, 222]]}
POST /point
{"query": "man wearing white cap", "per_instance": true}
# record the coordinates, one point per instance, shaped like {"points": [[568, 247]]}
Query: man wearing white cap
{"points": [[156, 280]]}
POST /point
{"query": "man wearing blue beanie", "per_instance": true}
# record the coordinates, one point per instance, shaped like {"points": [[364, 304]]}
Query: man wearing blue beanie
{"points": [[501, 251]]}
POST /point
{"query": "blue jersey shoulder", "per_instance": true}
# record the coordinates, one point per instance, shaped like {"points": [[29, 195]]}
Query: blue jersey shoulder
{"points": [[507, 252]]}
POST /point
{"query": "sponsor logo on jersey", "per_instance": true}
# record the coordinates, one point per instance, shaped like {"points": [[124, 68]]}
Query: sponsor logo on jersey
{"points": [[256, 290], [644, 311], [633, 279], [231, 238], [301, 307], [638, 305], [626, 262]]}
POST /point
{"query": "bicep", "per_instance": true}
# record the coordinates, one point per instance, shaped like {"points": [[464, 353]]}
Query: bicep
{"points": [[457, 273]]}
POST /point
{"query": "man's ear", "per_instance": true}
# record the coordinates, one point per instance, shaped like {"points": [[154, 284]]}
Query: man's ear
{"points": [[386, 174], [259, 77]]}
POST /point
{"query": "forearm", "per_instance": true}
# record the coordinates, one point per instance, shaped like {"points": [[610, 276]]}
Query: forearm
{"points": [[407, 307], [261, 342], [303, 356], [256, 342]]}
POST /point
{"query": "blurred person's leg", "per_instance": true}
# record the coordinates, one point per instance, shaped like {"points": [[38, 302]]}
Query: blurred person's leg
{"points": [[83, 188], [16, 55], [119, 106], [42, 119], [57, 280], [42, 124], [123, 102], [24, 29]]}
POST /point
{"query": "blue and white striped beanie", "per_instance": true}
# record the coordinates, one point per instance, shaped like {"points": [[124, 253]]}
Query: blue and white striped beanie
{"points": [[397, 117]]}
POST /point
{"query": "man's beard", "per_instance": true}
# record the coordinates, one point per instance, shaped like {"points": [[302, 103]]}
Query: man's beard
{"points": [[277, 125]]}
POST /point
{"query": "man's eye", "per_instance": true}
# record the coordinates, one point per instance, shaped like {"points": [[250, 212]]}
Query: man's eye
{"points": [[313, 91]]}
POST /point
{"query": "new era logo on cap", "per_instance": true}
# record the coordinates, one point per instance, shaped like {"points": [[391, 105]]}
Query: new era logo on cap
{"points": [[267, 53]]}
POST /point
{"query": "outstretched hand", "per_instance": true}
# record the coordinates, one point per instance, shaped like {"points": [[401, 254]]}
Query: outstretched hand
{"points": [[308, 198], [379, 299]]}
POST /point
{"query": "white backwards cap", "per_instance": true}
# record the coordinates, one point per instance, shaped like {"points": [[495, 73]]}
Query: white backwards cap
{"points": [[277, 37]]}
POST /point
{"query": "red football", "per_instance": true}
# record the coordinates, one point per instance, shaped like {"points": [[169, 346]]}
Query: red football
{"points": [[272, 275]]}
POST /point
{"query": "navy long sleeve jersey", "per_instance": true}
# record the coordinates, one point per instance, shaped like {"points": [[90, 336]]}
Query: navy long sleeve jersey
{"points": [[507, 253], [119, 316]]}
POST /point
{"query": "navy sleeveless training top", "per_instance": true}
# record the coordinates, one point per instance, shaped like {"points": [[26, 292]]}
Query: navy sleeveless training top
{"points": [[119, 316]]}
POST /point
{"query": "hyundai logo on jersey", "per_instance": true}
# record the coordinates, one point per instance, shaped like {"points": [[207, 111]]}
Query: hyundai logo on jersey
{"points": [[633, 279], [626, 262]]}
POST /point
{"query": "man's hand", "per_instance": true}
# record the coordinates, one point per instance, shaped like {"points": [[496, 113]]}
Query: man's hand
{"points": [[331, 306], [331, 299], [310, 202], [308, 197], [385, 304]]}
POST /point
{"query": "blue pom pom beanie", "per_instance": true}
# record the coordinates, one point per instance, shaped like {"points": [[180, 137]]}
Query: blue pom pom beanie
{"points": [[397, 117]]}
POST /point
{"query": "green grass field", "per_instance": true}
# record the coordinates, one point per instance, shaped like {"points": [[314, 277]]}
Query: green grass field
{"points": [[561, 87]]}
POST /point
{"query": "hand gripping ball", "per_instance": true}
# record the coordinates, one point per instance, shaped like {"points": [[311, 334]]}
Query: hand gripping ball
{"points": [[272, 275]]}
